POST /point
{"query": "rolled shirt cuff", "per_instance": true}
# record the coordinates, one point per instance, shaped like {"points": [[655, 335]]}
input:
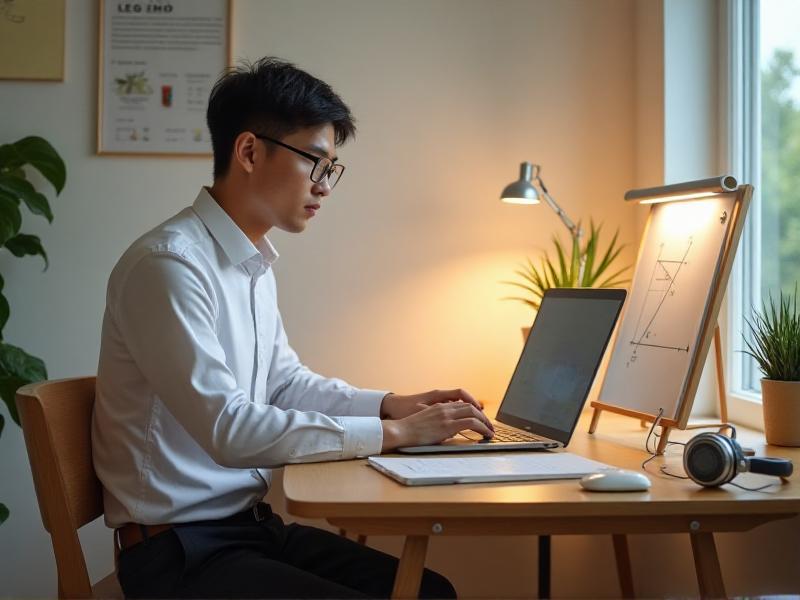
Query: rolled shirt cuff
{"points": [[367, 403], [363, 436]]}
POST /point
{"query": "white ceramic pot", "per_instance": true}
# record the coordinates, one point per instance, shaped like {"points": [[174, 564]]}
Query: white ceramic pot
{"points": [[781, 402]]}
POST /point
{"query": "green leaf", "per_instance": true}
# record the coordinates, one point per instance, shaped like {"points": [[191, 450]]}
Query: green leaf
{"points": [[558, 271], [614, 278], [10, 219], [3, 513], [5, 311], [15, 361], [38, 153], [22, 188], [17, 368], [8, 392], [575, 263], [562, 264], [589, 254], [23, 244], [610, 256]]}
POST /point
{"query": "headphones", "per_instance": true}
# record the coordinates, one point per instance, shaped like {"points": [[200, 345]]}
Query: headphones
{"points": [[713, 459]]}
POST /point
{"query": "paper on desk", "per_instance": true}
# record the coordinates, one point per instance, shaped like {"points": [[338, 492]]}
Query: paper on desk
{"points": [[473, 469]]}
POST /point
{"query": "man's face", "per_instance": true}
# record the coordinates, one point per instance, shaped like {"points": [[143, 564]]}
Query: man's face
{"points": [[282, 194]]}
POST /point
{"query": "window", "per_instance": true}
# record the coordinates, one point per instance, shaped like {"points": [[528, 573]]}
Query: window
{"points": [[763, 147]]}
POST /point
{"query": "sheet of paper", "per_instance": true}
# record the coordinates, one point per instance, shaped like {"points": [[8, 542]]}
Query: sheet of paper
{"points": [[500, 467]]}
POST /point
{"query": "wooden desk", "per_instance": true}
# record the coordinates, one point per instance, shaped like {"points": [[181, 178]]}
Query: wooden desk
{"points": [[353, 496]]}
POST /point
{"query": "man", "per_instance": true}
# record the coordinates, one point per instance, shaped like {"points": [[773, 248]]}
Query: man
{"points": [[199, 393]]}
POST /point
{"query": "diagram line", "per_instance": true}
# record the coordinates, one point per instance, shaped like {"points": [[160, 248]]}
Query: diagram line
{"points": [[666, 293], [657, 346], [649, 286]]}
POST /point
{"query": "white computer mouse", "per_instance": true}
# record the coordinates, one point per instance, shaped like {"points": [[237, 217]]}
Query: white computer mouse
{"points": [[616, 480]]}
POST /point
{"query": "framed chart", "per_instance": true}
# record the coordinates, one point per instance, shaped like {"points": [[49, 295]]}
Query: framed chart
{"points": [[157, 63], [32, 40]]}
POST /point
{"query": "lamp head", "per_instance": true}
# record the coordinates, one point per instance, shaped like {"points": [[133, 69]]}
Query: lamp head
{"points": [[522, 191]]}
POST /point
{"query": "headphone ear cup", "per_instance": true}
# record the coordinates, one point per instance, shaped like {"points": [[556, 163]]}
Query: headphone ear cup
{"points": [[710, 459]]}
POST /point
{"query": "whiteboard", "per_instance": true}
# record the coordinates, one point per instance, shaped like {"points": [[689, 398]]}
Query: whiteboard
{"points": [[672, 294]]}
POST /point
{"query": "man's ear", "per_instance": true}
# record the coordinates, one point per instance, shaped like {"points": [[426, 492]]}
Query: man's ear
{"points": [[244, 149]]}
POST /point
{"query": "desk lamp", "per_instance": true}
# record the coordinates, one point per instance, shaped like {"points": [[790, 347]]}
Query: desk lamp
{"points": [[524, 191]]}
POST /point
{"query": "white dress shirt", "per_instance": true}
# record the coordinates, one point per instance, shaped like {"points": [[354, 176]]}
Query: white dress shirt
{"points": [[198, 390]]}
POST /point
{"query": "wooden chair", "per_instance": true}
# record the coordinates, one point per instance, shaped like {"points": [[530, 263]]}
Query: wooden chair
{"points": [[56, 420]]}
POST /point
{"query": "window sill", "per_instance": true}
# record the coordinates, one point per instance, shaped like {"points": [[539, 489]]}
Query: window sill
{"points": [[745, 408]]}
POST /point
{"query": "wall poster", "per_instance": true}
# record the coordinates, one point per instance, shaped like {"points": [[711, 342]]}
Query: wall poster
{"points": [[157, 63], [32, 39]]}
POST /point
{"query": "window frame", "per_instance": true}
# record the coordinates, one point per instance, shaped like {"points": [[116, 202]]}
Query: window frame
{"points": [[741, 155]]}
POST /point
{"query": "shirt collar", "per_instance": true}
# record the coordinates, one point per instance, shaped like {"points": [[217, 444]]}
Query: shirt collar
{"points": [[236, 245]]}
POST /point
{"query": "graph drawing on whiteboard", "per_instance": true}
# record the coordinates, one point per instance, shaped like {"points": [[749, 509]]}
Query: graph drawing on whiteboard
{"points": [[650, 332], [671, 292]]}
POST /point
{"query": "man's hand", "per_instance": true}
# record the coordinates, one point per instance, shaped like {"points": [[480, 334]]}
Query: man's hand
{"points": [[435, 423], [400, 407]]}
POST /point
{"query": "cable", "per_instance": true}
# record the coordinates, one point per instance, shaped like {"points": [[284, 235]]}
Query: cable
{"points": [[663, 468]]}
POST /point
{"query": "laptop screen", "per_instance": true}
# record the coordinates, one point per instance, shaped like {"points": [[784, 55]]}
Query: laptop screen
{"points": [[560, 360]]}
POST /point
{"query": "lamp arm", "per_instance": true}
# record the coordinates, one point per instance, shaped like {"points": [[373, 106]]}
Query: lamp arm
{"points": [[573, 229]]}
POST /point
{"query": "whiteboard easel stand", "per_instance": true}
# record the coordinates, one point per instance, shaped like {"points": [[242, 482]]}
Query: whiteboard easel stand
{"points": [[743, 195], [666, 429]]}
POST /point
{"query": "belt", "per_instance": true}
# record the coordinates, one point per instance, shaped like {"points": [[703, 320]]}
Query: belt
{"points": [[131, 534]]}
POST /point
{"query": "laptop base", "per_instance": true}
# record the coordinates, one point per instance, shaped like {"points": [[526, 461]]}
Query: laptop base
{"points": [[459, 444]]}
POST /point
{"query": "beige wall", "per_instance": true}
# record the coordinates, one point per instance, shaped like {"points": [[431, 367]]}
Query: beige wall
{"points": [[396, 282]]}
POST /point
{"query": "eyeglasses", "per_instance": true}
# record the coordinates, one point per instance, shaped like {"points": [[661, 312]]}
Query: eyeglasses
{"points": [[323, 166]]}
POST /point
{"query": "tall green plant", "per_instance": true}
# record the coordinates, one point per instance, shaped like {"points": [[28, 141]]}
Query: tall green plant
{"points": [[565, 271], [17, 367], [775, 336]]}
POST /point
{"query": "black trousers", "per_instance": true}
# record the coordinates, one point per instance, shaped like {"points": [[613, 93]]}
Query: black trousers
{"points": [[242, 557]]}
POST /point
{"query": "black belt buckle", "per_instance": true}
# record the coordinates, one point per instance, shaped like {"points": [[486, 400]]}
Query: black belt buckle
{"points": [[261, 512]]}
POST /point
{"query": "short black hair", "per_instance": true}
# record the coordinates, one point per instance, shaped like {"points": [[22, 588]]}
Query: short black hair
{"points": [[271, 97]]}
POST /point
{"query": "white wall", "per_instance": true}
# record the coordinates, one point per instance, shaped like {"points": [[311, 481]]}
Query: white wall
{"points": [[396, 282]]}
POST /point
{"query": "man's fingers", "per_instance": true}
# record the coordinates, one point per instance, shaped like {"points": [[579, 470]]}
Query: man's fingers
{"points": [[473, 424], [464, 396], [465, 410]]}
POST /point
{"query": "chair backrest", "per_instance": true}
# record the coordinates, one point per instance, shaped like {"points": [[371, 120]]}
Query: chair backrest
{"points": [[56, 419]]}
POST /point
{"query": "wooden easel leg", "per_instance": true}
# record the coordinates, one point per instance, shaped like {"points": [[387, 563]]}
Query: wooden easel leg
{"points": [[409, 571], [706, 563], [723, 398], [663, 439], [595, 420]]}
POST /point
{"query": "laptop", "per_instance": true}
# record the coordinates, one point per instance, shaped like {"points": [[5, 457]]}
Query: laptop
{"points": [[553, 376]]}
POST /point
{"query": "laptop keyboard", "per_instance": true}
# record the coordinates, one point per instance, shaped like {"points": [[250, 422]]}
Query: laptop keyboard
{"points": [[503, 433]]}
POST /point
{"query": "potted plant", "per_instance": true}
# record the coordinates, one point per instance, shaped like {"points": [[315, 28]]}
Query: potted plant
{"points": [[775, 345], [17, 367], [583, 268]]}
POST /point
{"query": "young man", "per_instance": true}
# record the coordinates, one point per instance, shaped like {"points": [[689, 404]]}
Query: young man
{"points": [[199, 394]]}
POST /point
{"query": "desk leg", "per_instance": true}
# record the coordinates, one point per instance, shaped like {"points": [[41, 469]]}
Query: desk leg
{"points": [[409, 571], [706, 563], [544, 567], [624, 571]]}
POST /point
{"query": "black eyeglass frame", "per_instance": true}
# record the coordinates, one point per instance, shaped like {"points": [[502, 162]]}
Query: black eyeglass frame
{"points": [[315, 159]]}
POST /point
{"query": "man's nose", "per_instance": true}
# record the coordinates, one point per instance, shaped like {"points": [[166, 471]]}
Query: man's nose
{"points": [[322, 188]]}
